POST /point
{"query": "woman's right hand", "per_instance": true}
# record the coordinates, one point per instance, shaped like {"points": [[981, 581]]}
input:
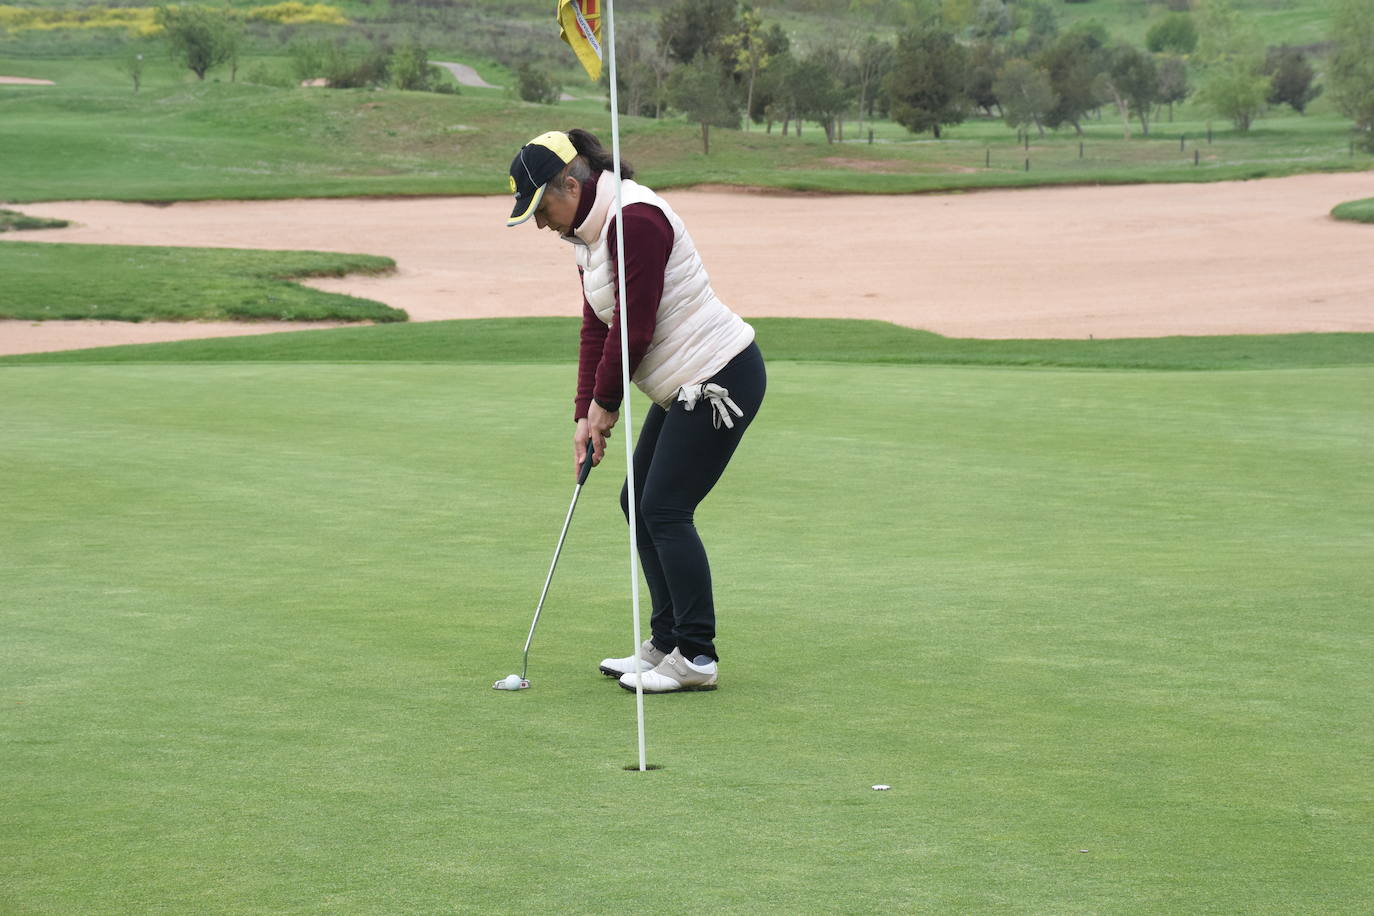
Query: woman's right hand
{"points": [[580, 446]]}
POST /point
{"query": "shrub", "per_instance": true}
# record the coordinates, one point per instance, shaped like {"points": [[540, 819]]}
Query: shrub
{"points": [[134, 20], [307, 59], [344, 66], [292, 13], [262, 74], [1175, 33], [355, 67], [410, 68], [534, 85]]}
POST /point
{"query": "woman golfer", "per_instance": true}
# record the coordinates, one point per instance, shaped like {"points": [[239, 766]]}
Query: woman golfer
{"points": [[693, 357]]}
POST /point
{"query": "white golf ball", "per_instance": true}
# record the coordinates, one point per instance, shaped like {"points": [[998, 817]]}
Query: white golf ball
{"points": [[513, 682]]}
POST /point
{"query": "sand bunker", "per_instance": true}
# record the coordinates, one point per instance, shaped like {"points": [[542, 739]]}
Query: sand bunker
{"points": [[26, 81], [1147, 260]]}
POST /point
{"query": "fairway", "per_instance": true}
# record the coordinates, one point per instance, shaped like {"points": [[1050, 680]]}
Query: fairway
{"points": [[1105, 633]]}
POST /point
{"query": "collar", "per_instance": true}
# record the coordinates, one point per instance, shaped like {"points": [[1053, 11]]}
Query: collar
{"points": [[597, 198], [586, 198]]}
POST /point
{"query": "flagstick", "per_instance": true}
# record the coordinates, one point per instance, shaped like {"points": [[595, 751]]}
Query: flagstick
{"points": [[625, 374]]}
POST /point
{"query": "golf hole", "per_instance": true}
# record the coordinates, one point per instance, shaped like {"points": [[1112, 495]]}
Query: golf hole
{"points": [[634, 767]]}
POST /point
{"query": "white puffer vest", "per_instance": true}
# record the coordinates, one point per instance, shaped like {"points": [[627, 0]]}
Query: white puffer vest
{"points": [[695, 334]]}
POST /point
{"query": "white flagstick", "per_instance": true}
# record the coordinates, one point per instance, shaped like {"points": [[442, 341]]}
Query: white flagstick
{"points": [[625, 375]]}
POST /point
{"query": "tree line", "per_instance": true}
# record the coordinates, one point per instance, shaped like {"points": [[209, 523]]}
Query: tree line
{"points": [[720, 64]]}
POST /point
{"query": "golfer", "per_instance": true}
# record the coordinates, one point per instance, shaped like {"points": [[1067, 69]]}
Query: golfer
{"points": [[694, 358]]}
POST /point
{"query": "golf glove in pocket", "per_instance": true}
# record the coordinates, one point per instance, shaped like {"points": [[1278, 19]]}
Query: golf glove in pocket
{"points": [[716, 396]]}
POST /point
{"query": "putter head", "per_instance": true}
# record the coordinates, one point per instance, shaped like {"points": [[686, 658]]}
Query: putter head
{"points": [[514, 682]]}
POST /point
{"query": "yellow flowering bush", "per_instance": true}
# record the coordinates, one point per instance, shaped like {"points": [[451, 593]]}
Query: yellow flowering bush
{"points": [[139, 20], [293, 12]]}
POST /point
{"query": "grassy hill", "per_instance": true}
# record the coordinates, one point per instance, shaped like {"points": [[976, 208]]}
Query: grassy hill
{"points": [[92, 136], [178, 140]]}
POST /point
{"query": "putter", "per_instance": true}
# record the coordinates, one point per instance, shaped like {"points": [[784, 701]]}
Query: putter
{"points": [[520, 683]]}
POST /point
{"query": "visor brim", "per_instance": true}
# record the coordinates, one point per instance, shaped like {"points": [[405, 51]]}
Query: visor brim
{"points": [[519, 215]]}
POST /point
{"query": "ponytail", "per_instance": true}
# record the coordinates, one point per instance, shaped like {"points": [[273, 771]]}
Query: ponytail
{"points": [[597, 156]]}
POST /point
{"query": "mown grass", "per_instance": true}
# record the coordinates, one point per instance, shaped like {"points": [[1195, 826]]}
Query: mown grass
{"points": [[553, 340], [1361, 211], [181, 141], [1104, 634], [48, 281]]}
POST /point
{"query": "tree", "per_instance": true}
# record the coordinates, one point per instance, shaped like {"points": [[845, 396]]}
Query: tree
{"points": [[1173, 81], [927, 80], [1230, 49], [1290, 78], [1042, 26], [132, 64], [1133, 82], [1224, 33], [1025, 94], [1075, 63], [772, 92], [1235, 91], [200, 37], [1350, 69], [1175, 33], [692, 27], [873, 62], [642, 69], [770, 88], [992, 19], [817, 91], [958, 15], [703, 92], [747, 51], [985, 63], [233, 40]]}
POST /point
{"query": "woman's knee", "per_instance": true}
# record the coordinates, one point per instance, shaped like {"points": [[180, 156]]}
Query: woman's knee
{"points": [[660, 516]]}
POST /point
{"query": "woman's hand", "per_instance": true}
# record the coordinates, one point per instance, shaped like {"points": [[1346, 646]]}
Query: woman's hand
{"points": [[600, 422], [580, 447], [597, 426]]}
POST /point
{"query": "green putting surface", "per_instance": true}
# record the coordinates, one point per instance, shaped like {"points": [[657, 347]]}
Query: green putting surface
{"points": [[1106, 635]]}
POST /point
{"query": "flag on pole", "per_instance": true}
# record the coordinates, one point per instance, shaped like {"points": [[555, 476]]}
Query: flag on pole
{"points": [[579, 24]]}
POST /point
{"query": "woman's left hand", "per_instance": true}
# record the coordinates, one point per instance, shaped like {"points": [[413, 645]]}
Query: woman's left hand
{"points": [[600, 422]]}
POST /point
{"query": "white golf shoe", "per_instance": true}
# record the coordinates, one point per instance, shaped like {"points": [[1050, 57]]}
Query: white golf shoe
{"points": [[672, 674], [648, 655]]}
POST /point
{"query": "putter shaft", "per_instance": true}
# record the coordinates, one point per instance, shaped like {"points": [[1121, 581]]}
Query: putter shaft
{"points": [[562, 536]]}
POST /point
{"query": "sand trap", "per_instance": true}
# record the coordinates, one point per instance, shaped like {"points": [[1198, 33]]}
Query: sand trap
{"points": [[1150, 260], [27, 81]]}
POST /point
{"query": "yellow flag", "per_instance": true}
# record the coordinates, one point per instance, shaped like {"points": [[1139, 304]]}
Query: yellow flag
{"points": [[579, 24]]}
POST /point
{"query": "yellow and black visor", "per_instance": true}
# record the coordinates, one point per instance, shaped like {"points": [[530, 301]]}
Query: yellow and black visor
{"points": [[537, 163]]}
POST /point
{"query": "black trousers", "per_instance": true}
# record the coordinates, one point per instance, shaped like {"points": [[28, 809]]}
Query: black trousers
{"points": [[678, 459]]}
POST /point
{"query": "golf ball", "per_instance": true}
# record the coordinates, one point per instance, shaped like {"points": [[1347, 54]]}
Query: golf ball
{"points": [[513, 682]]}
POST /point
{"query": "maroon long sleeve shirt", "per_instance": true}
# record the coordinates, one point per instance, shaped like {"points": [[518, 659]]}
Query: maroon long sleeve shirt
{"points": [[648, 240]]}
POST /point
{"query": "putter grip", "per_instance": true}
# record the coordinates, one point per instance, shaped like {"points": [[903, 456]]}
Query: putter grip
{"points": [[586, 465]]}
